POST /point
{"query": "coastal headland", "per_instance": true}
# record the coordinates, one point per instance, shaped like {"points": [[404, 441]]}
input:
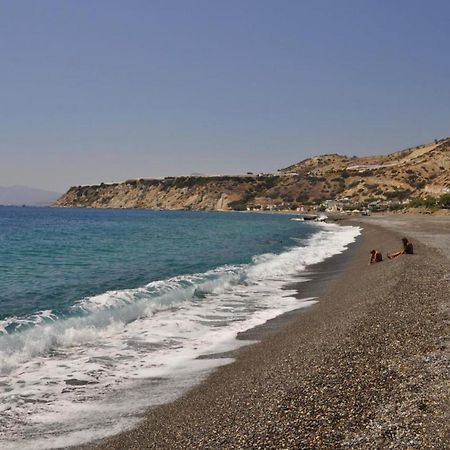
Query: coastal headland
{"points": [[420, 174], [365, 367]]}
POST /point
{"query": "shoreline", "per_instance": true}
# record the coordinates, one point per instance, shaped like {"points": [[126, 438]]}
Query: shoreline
{"points": [[320, 277], [352, 383]]}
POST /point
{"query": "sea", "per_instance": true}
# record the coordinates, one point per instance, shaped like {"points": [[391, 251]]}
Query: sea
{"points": [[105, 313]]}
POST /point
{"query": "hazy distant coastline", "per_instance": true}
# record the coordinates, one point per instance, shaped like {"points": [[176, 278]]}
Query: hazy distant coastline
{"points": [[25, 195]]}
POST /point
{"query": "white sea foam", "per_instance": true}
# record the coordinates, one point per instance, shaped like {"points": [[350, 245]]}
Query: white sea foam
{"points": [[145, 340]]}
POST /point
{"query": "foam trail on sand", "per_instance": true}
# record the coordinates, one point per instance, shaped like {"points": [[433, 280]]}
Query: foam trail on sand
{"points": [[123, 351]]}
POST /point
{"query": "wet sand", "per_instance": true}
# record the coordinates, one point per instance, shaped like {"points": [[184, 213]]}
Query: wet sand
{"points": [[366, 367]]}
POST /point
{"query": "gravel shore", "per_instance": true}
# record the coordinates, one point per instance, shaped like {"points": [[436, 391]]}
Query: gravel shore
{"points": [[368, 366]]}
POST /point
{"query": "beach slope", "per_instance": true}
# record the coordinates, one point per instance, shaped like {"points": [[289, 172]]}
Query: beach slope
{"points": [[366, 367]]}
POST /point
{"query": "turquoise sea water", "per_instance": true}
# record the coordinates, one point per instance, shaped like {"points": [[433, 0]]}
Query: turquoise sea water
{"points": [[104, 313], [51, 258]]}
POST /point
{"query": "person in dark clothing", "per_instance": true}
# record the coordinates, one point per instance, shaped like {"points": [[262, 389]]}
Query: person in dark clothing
{"points": [[408, 249], [375, 256]]}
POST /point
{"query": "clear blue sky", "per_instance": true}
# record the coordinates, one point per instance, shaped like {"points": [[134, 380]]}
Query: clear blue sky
{"points": [[106, 90]]}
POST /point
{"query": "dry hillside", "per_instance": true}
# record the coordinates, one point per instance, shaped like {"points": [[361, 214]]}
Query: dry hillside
{"points": [[414, 172]]}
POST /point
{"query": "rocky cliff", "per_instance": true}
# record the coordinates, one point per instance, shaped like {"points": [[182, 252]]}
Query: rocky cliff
{"points": [[413, 172], [199, 193]]}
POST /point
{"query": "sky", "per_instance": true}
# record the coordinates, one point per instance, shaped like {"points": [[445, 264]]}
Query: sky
{"points": [[107, 90]]}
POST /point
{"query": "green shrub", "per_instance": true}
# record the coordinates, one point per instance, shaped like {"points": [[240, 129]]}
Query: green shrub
{"points": [[426, 202], [273, 195], [444, 200], [396, 207], [269, 182], [399, 194], [302, 197], [238, 205]]}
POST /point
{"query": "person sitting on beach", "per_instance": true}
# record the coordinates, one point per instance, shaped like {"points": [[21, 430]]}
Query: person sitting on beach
{"points": [[375, 257], [407, 249]]}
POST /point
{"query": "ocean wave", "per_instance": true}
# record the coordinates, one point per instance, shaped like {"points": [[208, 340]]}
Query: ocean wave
{"points": [[111, 311], [98, 316]]}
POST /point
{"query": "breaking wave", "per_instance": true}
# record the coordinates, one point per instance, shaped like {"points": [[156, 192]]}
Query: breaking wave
{"points": [[111, 341]]}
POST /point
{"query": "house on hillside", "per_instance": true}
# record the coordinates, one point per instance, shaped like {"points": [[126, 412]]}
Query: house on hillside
{"points": [[363, 167], [331, 205]]}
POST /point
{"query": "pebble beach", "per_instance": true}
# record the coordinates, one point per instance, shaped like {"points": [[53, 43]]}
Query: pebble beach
{"points": [[368, 366]]}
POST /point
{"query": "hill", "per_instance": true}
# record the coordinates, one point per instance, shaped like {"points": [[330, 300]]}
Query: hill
{"points": [[411, 173], [24, 195]]}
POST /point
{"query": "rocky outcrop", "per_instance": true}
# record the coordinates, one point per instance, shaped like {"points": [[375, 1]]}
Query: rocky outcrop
{"points": [[198, 193]]}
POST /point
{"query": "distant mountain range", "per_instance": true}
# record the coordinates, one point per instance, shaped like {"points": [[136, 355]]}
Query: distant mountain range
{"points": [[413, 173], [24, 195]]}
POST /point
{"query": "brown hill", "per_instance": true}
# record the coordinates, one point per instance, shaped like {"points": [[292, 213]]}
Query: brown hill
{"points": [[414, 172]]}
